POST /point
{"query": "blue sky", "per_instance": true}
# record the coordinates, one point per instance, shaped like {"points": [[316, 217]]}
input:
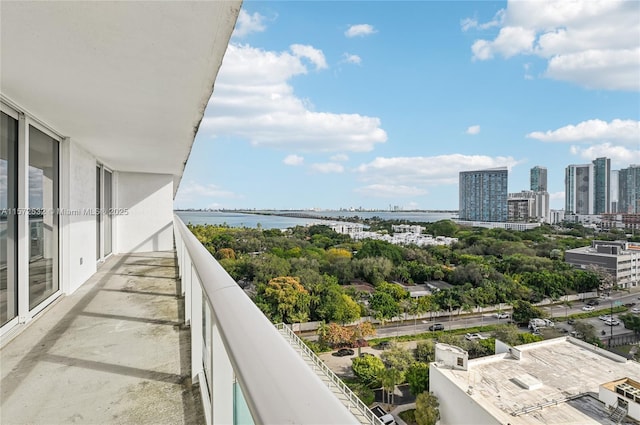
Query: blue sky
{"points": [[337, 104]]}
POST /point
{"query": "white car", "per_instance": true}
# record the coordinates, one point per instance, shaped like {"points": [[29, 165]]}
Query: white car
{"points": [[473, 337], [605, 317], [588, 308], [501, 315], [635, 310], [611, 322]]}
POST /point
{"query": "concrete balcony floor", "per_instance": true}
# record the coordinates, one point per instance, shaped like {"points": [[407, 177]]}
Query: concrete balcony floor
{"points": [[114, 352]]}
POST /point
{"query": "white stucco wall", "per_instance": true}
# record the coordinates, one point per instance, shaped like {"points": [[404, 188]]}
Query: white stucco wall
{"points": [[80, 237], [147, 224], [456, 406]]}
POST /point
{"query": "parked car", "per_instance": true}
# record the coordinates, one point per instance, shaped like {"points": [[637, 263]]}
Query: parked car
{"points": [[571, 321], [635, 310], [593, 302], [343, 352], [588, 308], [383, 345], [576, 334], [501, 315], [473, 337], [604, 317], [612, 322], [436, 327]]}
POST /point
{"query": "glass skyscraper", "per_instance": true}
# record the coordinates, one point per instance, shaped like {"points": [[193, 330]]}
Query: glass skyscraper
{"points": [[539, 179], [483, 195], [629, 190], [602, 185]]}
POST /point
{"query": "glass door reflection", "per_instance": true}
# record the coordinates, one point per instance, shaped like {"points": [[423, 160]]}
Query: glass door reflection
{"points": [[8, 218], [43, 216]]}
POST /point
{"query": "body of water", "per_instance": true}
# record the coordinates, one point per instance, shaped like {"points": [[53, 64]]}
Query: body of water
{"points": [[234, 219]]}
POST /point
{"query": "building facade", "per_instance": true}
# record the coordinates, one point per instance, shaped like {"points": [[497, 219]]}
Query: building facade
{"points": [[539, 179], [483, 195], [578, 182], [629, 190], [602, 185], [529, 206], [621, 260]]}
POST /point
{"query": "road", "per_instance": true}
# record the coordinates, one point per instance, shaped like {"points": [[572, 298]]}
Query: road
{"points": [[558, 311]]}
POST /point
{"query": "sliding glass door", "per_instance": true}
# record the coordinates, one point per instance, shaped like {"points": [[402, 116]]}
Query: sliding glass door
{"points": [[43, 216], [8, 222]]}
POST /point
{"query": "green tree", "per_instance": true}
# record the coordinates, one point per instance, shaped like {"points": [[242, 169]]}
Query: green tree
{"points": [[397, 358], [509, 334], [373, 248], [587, 330], [631, 321], [284, 299], [368, 369], [427, 409], [523, 311], [417, 376], [425, 351], [384, 306]]}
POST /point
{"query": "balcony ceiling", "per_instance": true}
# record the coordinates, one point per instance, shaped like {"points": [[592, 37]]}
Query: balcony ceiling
{"points": [[128, 81]]}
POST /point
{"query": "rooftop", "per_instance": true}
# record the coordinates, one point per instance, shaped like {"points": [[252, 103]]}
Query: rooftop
{"points": [[561, 376]]}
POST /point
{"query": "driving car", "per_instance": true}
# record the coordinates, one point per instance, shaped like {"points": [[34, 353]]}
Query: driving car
{"points": [[593, 302], [502, 315], [343, 352], [635, 310], [588, 308], [612, 322], [436, 327], [604, 317]]}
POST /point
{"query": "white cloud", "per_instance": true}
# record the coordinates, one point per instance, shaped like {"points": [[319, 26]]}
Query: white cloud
{"points": [[509, 42], [192, 191], [469, 23], [339, 157], [390, 191], [360, 30], [293, 160], [314, 55], [621, 131], [253, 100], [473, 130], [591, 43], [434, 170], [349, 58], [620, 156], [328, 167], [556, 196], [248, 23]]}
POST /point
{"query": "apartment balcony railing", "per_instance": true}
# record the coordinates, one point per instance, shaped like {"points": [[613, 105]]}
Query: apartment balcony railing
{"points": [[247, 371]]}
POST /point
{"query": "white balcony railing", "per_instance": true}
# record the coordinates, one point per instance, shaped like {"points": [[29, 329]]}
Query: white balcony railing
{"points": [[246, 370]]}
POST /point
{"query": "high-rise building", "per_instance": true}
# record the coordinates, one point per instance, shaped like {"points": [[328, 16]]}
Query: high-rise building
{"points": [[529, 206], [483, 195], [578, 184], [613, 200], [602, 185], [629, 190], [539, 179]]}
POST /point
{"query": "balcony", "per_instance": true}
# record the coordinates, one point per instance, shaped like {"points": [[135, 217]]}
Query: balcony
{"points": [[115, 351], [127, 346]]}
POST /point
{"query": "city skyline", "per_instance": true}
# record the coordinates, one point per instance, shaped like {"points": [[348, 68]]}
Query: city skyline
{"points": [[351, 104]]}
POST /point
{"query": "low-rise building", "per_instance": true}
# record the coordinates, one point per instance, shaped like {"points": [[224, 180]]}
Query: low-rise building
{"points": [[618, 258], [558, 381]]}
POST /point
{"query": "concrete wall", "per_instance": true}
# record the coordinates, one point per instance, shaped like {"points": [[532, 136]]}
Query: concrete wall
{"points": [[456, 406], [144, 221], [79, 243]]}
